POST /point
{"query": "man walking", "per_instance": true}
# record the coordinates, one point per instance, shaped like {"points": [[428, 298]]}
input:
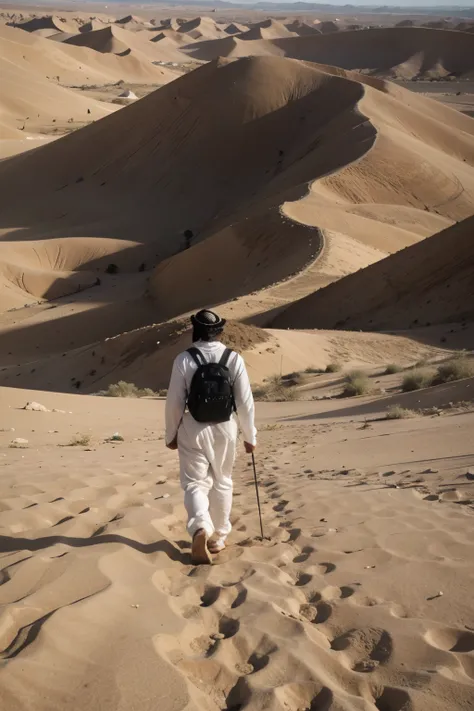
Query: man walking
{"points": [[208, 383]]}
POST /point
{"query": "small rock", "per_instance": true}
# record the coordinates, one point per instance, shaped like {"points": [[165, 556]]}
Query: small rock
{"points": [[116, 437], [162, 481], [36, 407], [244, 669], [19, 442], [217, 635], [368, 567], [135, 606], [62, 412]]}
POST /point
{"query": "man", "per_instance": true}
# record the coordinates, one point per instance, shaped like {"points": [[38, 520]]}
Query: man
{"points": [[207, 449]]}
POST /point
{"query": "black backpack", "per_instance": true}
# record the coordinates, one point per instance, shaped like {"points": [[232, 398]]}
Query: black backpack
{"points": [[211, 398]]}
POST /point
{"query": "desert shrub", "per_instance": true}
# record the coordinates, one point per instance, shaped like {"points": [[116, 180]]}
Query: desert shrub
{"points": [[313, 371], [80, 440], [123, 389], [399, 413], [416, 380], [112, 269], [293, 379], [393, 368], [455, 369], [356, 383], [275, 389], [333, 368]]}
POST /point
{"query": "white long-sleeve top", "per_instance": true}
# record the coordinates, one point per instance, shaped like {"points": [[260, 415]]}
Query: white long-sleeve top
{"points": [[184, 368]]}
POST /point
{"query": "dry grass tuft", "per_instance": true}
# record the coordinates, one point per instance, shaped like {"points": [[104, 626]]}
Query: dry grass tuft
{"points": [[333, 368], [275, 389], [456, 369], [356, 383], [399, 413], [393, 368], [416, 380], [80, 440], [123, 389]]}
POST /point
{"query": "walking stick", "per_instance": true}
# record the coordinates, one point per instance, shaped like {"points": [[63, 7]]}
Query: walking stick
{"points": [[258, 496]]}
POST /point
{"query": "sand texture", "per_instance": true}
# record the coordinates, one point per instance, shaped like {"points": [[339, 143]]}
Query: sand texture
{"points": [[310, 177]]}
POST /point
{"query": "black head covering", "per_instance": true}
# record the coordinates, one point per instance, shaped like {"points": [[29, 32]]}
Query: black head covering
{"points": [[207, 325]]}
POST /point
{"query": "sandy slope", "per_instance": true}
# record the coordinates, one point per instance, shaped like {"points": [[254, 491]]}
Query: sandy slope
{"points": [[77, 66], [201, 27], [116, 40], [430, 282], [429, 149], [55, 23], [268, 29], [32, 103], [338, 610], [302, 28], [95, 163], [388, 52]]}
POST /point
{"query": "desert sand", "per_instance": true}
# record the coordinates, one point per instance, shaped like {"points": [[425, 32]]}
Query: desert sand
{"points": [[157, 161]]}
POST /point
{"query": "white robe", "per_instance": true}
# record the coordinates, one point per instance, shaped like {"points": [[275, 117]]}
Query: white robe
{"points": [[207, 452]]}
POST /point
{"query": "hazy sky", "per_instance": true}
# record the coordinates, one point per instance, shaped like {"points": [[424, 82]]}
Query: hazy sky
{"points": [[395, 3]]}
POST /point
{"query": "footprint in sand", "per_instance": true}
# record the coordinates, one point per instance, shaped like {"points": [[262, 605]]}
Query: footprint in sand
{"points": [[228, 627], [450, 639], [210, 596], [303, 579], [317, 614], [393, 699], [365, 648], [332, 592], [327, 568], [304, 555], [240, 598]]}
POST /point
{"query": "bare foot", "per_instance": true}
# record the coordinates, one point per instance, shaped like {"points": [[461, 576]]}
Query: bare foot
{"points": [[199, 552]]}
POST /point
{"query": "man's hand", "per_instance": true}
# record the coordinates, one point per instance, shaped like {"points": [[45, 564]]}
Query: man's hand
{"points": [[173, 445], [249, 448]]}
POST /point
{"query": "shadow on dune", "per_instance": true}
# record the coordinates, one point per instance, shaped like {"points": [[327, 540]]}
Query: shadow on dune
{"points": [[434, 397], [9, 544]]}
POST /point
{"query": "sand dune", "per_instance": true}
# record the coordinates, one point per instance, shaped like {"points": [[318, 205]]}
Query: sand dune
{"points": [[351, 203], [91, 26], [31, 103], [235, 28], [133, 23], [49, 22], [116, 40], [172, 36], [278, 168], [268, 29], [203, 27], [77, 66], [327, 27], [390, 52], [302, 28], [431, 282], [102, 40]]}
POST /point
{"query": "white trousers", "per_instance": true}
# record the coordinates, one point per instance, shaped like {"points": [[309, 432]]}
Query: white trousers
{"points": [[206, 458]]}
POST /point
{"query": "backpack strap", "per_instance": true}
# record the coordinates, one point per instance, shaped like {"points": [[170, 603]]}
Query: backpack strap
{"points": [[225, 357], [197, 356]]}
